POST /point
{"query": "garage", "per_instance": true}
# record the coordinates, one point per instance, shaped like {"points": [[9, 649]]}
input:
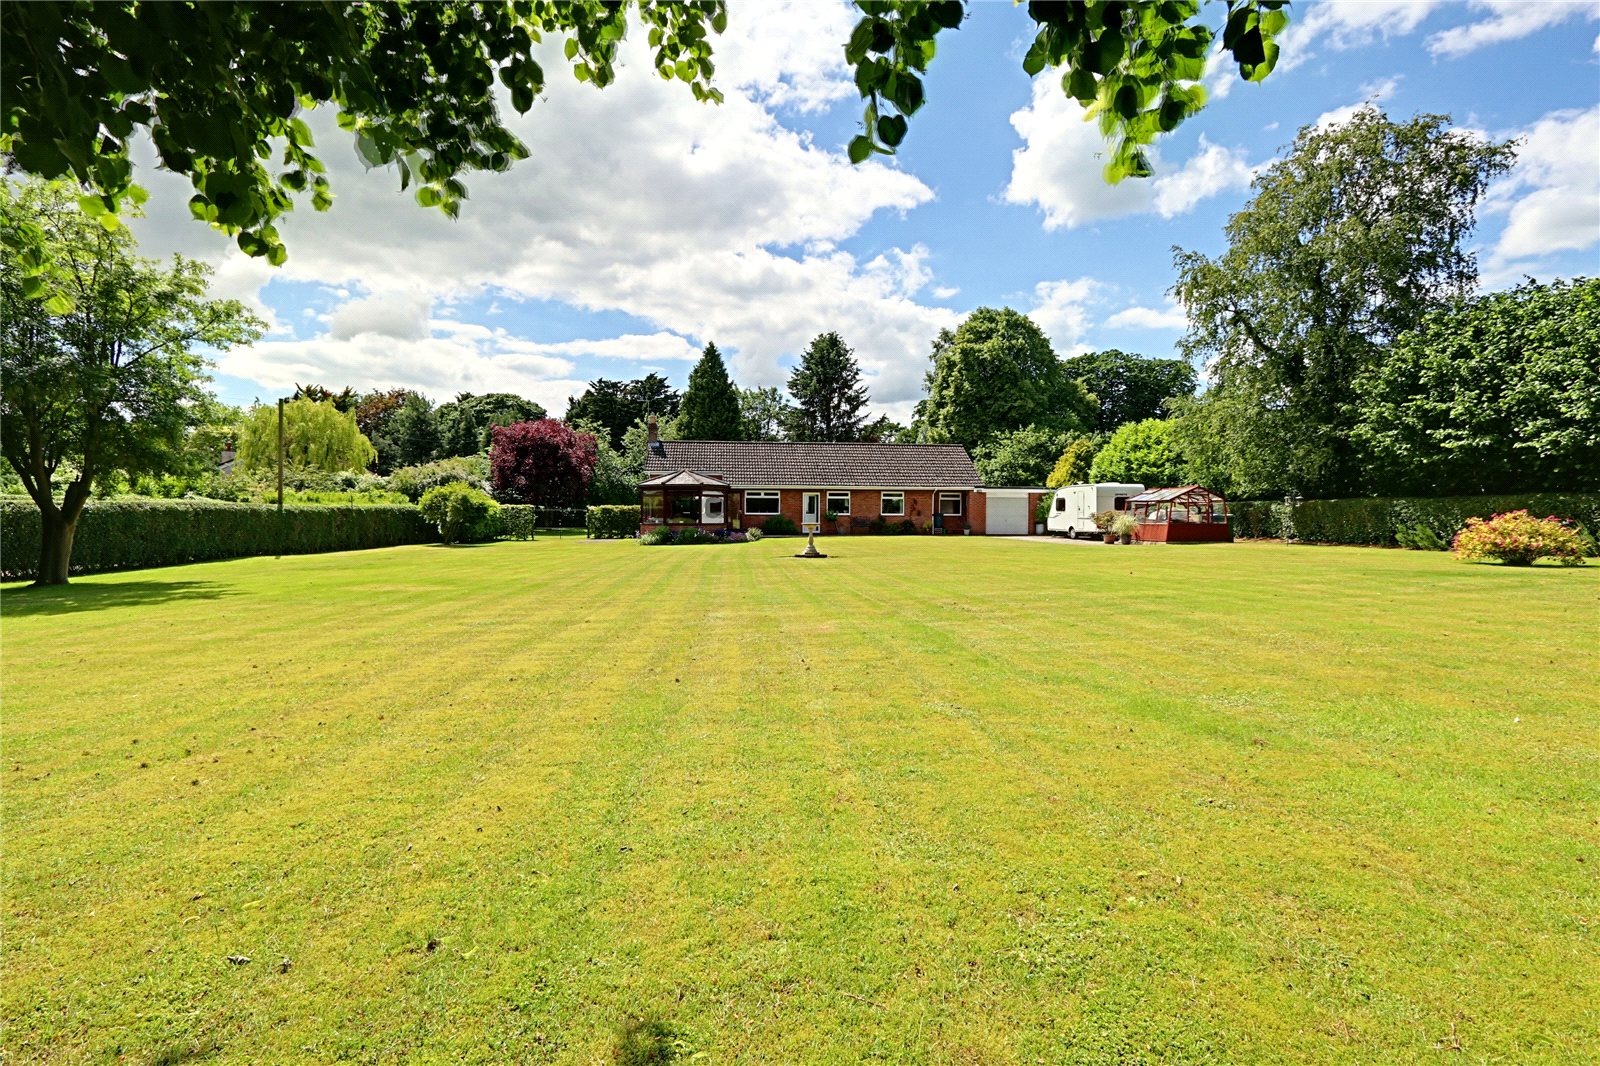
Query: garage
{"points": [[1006, 513]]}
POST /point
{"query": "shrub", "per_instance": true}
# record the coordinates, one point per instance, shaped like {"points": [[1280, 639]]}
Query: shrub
{"points": [[780, 525], [413, 481], [1516, 538], [518, 521], [1102, 520], [1379, 521], [905, 526], [461, 512], [129, 534], [753, 534], [1420, 538], [1124, 524], [612, 521]]}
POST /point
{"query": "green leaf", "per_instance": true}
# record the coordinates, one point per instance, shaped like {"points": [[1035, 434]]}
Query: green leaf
{"points": [[891, 130], [860, 149]]}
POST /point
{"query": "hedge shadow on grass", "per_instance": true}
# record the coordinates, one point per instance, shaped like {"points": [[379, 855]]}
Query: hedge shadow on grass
{"points": [[29, 600]]}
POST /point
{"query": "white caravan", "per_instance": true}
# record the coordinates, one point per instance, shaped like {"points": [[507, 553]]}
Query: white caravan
{"points": [[1072, 511]]}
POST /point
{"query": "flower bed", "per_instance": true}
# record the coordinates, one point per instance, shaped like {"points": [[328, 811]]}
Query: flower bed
{"points": [[694, 535]]}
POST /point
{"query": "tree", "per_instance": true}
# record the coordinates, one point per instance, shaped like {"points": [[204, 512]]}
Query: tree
{"points": [[1140, 453], [764, 413], [410, 435], [316, 436], [98, 369], [374, 409], [465, 422], [615, 405], [1498, 394], [544, 463], [997, 373], [828, 393], [1076, 460], [1130, 388], [710, 408], [886, 430], [1349, 241], [343, 400], [1021, 457], [217, 87]]}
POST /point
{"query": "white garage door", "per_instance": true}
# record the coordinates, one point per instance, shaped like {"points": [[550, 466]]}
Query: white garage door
{"points": [[1007, 515]]}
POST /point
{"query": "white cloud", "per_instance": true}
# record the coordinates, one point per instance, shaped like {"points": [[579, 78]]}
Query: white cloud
{"points": [[1373, 92], [1060, 167], [1508, 20], [1551, 198], [762, 54], [1346, 24], [399, 317], [1168, 317], [706, 222], [1061, 309]]}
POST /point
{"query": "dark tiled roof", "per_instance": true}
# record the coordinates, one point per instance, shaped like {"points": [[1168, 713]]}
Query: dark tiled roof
{"points": [[793, 464]]}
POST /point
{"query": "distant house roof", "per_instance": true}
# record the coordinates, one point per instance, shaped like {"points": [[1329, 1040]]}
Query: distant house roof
{"points": [[681, 478], [797, 464]]}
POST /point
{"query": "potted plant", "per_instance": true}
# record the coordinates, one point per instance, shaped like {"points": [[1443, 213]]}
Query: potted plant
{"points": [[832, 518], [1123, 526], [1102, 521]]}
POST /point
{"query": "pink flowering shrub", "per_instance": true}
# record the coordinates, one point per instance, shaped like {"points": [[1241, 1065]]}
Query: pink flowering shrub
{"points": [[1517, 538]]}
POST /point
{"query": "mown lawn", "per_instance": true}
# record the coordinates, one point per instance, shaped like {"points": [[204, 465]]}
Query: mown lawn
{"points": [[928, 801]]}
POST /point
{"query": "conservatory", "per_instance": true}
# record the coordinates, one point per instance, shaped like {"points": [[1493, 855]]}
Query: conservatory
{"points": [[683, 498], [1179, 516]]}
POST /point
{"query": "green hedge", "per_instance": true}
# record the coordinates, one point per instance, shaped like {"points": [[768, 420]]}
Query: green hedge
{"points": [[128, 534], [612, 520], [1375, 521]]}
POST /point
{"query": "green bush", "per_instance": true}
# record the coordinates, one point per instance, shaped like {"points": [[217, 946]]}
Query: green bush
{"points": [[1420, 538], [128, 534], [413, 481], [518, 521], [1380, 521], [612, 520], [1520, 539], [461, 512], [779, 525]]}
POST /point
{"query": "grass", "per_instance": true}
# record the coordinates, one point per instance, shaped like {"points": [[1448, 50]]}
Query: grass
{"points": [[929, 801]]}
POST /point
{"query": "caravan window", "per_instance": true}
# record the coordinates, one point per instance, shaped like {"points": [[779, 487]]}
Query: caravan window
{"points": [[1061, 503], [1119, 503]]}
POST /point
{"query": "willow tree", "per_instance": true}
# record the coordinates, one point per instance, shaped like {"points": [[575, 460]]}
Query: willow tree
{"points": [[99, 364], [316, 436]]}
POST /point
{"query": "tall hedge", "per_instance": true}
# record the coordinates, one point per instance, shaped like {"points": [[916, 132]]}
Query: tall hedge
{"points": [[128, 534], [1374, 521], [613, 520]]}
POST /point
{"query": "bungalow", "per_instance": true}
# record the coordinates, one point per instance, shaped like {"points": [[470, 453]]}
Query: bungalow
{"points": [[741, 484]]}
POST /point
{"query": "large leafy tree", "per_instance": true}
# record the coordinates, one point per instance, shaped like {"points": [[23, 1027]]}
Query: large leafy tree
{"points": [[615, 405], [316, 436], [1076, 460], [220, 89], [1498, 394], [765, 412], [546, 463], [1021, 457], [828, 392], [410, 436], [465, 422], [710, 409], [102, 374], [995, 374], [1141, 453], [1350, 240], [1131, 388]]}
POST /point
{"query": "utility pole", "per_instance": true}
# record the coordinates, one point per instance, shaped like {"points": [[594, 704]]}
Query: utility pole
{"points": [[280, 477]]}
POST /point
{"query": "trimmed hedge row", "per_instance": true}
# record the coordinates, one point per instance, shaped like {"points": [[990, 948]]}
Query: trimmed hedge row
{"points": [[128, 534], [1375, 521], [612, 520]]}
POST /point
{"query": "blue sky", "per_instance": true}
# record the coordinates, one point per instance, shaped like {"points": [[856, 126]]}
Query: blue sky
{"points": [[646, 224]]}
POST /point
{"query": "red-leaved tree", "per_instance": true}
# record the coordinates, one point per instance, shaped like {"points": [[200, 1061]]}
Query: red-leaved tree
{"points": [[545, 463]]}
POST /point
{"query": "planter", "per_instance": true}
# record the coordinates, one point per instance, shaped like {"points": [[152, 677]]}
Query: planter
{"points": [[1110, 538], [1126, 538]]}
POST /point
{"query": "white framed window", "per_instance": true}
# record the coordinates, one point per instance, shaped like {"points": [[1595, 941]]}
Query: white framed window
{"points": [[949, 503], [893, 505], [839, 502], [761, 502]]}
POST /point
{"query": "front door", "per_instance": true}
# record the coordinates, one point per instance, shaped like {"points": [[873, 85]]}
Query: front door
{"points": [[811, 509], [711, 510]]}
